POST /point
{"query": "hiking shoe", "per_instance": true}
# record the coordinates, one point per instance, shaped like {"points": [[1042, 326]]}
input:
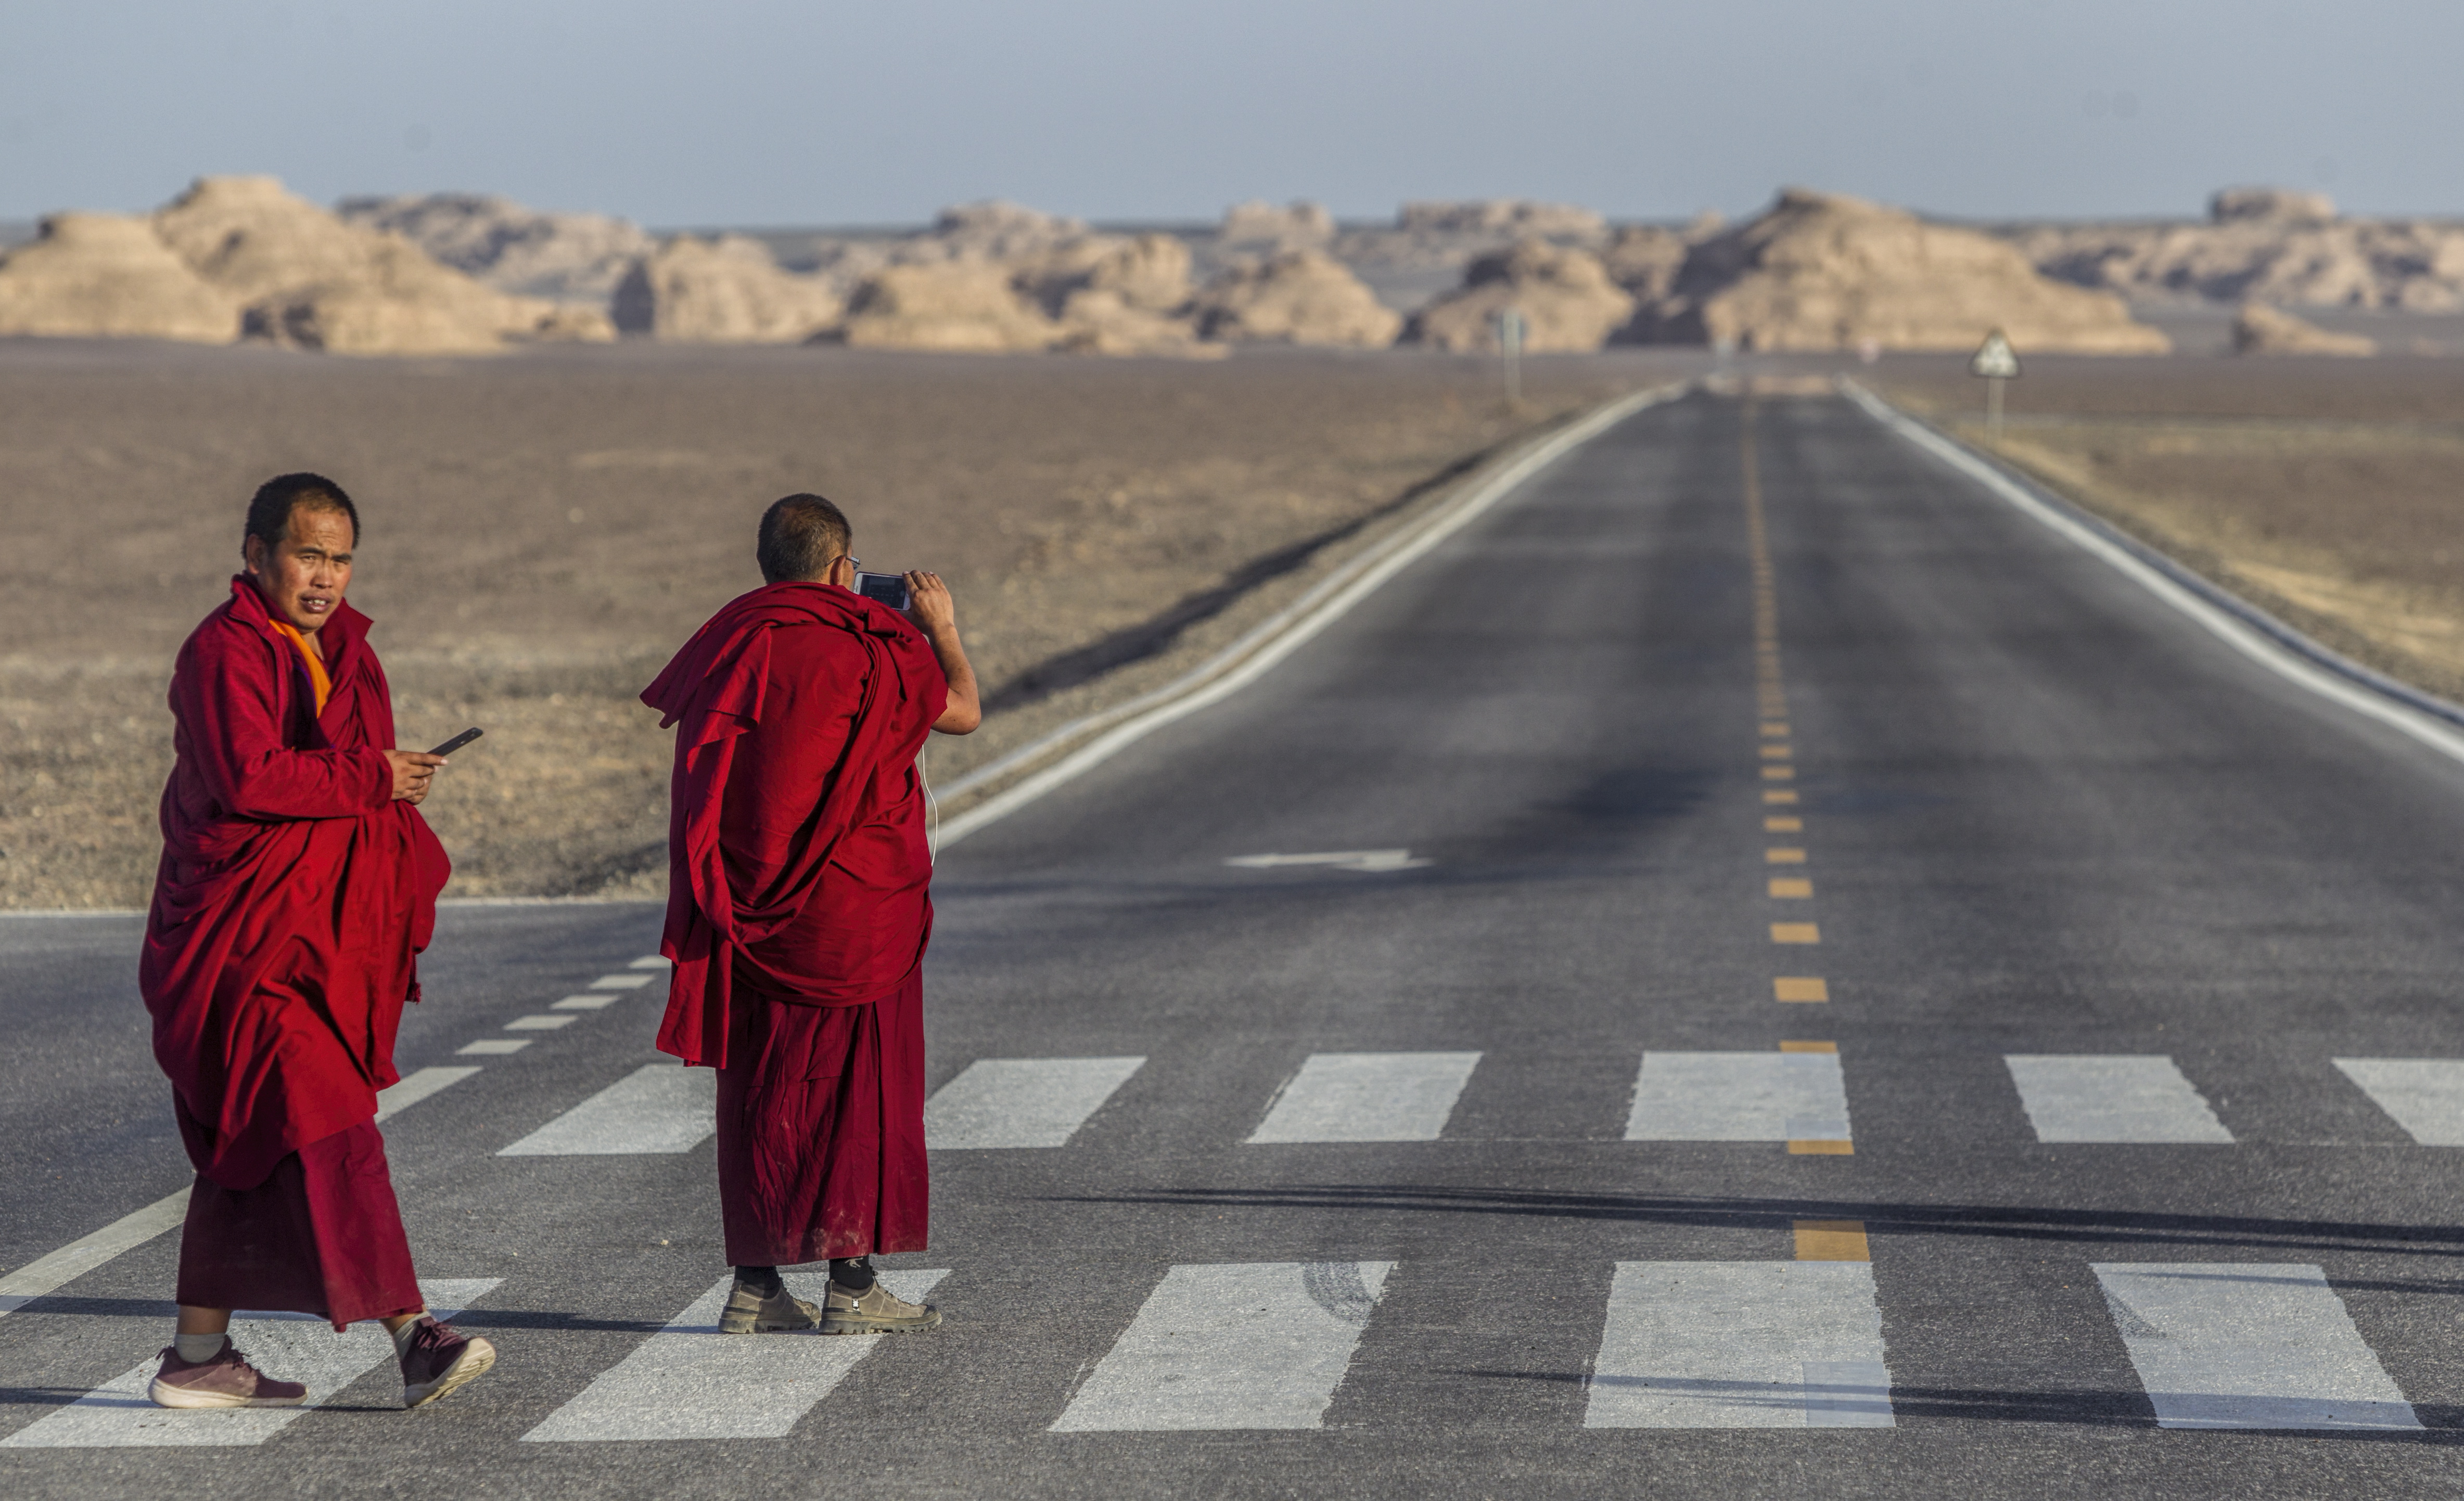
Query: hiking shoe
{"points": [[749, 1313], [874, 1310], [440, 1359], [227, 1381]]}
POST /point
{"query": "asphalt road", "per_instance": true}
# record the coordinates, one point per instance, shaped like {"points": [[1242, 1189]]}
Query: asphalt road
{"points": [[2053, 836]]}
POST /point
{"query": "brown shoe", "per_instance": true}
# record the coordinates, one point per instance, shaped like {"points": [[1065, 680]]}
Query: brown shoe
{"points": [[874, 1310], [227, 1381], [749, 1313], [441, 1360]]}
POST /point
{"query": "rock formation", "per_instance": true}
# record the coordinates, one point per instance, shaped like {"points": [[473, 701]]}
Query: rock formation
{"points": [[2261, 330], [994, 231], [1517, 217], [966, 306], [565, 257], [1644, 260], [1300, 226], [1819, 271], [308, 280], [1301, 297], [726, 291], [2262, 245], [1134, 298], [2270, 205], [109, 276], [1568, 303]]}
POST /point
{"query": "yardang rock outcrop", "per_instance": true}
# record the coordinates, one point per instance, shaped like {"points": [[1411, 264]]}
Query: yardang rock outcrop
{"points": [[1302, 297], [2263, 330], [1821, 272], [109, 276], [1301, 225], [2262, 245], [957, 307], [726, 291], [1568, 303], [565, 257], [310, 280]]}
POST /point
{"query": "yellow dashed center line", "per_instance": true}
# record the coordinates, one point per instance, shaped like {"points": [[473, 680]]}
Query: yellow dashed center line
{"points": [[1790, 886], [1782, 824], [1783, 855], [1799, 988], [1796, 933]]}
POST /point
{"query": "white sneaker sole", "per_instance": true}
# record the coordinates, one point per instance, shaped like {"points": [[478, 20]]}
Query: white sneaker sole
{"points": [[477, 1358], [163, 1395]]}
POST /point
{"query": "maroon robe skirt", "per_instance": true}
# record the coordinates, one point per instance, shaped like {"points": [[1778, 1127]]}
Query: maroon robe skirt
{"points": [[321, 1235], [821, 1129]]}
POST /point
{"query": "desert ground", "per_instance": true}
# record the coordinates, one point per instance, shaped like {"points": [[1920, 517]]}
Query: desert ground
{"points": [[2330, 491], [543, 529]]}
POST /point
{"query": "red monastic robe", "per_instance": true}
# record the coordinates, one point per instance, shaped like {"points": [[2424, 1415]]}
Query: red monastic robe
{"points": [[292, 896], [797, 911]]}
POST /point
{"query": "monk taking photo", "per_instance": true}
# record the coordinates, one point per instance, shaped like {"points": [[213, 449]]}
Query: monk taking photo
{"points": [[799, 905], [299, 882]]}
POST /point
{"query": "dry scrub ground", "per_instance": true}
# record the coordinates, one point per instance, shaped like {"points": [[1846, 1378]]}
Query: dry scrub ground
{"points": [[2330, 491], [541, 532]]}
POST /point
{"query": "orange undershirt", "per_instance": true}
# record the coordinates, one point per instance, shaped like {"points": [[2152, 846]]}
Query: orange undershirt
{"points": [[317, 674]]}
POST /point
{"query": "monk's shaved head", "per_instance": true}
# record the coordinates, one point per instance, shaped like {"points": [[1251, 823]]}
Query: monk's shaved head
{"points": [[269, 512], [800, 537]]}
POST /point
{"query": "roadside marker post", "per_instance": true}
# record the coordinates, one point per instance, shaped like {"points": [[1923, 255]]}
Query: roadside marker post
{"points": [[1509, 343], [1994, 362]]}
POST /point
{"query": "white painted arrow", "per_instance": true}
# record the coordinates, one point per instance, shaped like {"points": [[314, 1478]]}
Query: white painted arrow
{"points": [[1339, 859]]}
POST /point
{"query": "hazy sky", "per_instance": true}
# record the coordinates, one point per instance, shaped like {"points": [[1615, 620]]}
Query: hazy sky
{"points": [[748, 112]]}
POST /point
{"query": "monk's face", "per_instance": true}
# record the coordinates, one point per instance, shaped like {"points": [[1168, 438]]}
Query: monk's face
{"points": [[304, 576]]}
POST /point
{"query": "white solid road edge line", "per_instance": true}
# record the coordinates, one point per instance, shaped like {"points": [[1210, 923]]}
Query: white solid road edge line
{"points": [[2238, 623], [1278, 636]]}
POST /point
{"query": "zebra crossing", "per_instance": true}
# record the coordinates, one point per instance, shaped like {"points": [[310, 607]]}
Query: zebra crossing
{"points": [[1254, 1346], [1796, 1095], [1268, 1344]]}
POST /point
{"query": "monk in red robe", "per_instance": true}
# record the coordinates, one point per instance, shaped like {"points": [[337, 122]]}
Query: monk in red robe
{"points": [[298, 883], [799, 905]]}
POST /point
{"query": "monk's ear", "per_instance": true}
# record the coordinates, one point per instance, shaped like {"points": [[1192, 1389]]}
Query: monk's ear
{"points": [[251, 551]]}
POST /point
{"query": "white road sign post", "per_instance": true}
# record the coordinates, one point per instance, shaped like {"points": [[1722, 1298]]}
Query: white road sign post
{"points": [[1509, 343], [1994, 362]]}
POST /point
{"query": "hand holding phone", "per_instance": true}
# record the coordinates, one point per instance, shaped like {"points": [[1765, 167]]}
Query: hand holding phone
{"points": [[891, 589], [457, 742]]}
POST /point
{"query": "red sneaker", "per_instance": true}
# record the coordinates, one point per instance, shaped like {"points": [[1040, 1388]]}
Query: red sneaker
{"points": [[227, 1381], [439, 1361]]}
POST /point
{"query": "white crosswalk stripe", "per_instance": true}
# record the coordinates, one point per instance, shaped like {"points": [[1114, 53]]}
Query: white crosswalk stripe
{"points": [[2426, 1096], [419, 1085], [622, 982], [1021, 1101], [1739, 1096], [2248, 1345], [1368, 1097], [691, 1381], [661, 1107], [289, 1347], [1243, 1345], [1740, 1344], [2112, 1098]]}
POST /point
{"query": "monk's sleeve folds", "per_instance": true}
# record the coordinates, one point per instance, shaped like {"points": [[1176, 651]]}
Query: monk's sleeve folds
{"points": [[233, 709]]}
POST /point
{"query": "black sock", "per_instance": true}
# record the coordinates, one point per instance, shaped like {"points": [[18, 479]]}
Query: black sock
{"points": [[764, 1280], [855, 1274]]}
